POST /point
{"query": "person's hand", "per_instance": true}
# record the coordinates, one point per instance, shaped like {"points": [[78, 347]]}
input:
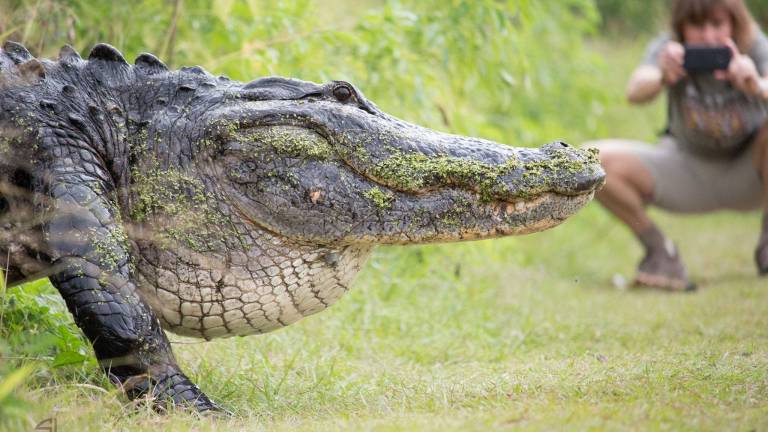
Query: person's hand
{"points": [[742, 72], [671, 63]]}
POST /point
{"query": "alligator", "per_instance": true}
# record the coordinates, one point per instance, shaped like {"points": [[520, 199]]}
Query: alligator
{"points": [[158, 199]]}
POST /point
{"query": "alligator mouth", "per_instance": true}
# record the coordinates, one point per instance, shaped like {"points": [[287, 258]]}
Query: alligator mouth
{"points": [[568, 205], [557, 206], [492, 219], [506, 208]]}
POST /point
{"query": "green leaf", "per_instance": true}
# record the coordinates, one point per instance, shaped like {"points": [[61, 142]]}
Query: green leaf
{"points": [[66, 358]]}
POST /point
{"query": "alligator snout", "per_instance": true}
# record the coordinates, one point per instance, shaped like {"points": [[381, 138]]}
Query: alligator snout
{"points": [[416, 160], [580, 170]]}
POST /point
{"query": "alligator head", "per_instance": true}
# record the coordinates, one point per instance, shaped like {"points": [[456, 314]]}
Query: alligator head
{"points": [[321, 164], [311, 176]]}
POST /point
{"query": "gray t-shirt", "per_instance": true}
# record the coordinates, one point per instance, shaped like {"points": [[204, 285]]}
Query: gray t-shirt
{"points": [[709, 116]]}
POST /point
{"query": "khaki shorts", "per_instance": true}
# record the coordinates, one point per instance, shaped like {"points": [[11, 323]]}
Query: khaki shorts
{"points": [[688, 183]]}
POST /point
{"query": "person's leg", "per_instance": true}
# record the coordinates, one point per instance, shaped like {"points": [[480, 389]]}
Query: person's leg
{"points": [[761, 163], [629, 187]]}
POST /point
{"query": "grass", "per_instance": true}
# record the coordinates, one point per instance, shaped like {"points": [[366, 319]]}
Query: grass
{"points": [[525, 332]]}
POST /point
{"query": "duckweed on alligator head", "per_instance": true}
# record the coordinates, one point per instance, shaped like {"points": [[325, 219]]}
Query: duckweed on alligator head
{"points": [[288, 141], [414, 172]]}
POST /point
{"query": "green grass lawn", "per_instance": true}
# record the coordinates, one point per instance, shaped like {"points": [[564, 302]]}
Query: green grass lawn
{"points": [[526, 332]]}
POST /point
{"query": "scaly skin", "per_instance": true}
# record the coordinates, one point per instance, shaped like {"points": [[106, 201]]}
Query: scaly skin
{"points": [[158, 199]]}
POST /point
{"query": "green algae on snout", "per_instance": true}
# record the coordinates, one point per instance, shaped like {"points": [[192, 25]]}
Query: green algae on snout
{"points": [[559, 162], [416, 172], [381, 199], [456, 215]]}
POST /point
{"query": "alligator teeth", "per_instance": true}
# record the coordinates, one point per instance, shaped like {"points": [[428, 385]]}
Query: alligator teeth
{"points": [[510, 208], [519, 206]]}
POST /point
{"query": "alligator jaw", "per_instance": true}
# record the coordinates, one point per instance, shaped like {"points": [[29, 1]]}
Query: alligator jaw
{"points": [[451, 216], [505, 211]]}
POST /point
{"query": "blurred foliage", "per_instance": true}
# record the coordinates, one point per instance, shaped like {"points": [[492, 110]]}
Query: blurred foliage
{"points": [[507, 70], [648, 16], [621, 16]]}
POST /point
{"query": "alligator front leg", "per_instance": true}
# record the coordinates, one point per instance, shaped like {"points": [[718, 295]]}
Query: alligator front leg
{"points": [[90, 253]]}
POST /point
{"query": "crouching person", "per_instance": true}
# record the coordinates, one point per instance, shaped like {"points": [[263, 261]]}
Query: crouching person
{"points": [[714, 153]]}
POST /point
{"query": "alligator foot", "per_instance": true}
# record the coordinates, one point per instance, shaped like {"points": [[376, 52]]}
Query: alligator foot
{"points": [[167, 387], [663, 269]]}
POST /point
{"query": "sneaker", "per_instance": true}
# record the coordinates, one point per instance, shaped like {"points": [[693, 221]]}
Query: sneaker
{"points": [[663, 269]]}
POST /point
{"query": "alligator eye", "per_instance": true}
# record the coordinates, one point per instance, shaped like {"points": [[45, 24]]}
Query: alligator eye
{"points": [[342, 93]]}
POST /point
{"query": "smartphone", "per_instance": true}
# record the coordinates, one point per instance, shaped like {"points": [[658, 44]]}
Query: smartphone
{"points": [[705, 58]]}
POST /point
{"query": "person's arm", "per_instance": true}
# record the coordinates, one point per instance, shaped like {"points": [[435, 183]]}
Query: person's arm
{"points": [[649, 79], [645, 84]]}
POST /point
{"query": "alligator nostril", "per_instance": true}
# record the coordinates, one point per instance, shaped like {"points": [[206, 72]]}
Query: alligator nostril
{"points": [[564, 145]]}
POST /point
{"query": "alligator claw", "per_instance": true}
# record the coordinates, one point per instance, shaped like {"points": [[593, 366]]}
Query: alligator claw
{"points": [[172, 388]]}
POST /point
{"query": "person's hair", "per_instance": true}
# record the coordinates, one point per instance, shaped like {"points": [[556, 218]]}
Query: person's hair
{"points": [[700, 11]]}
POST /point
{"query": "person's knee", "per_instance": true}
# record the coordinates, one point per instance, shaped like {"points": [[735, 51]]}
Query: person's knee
{"points": [[623, 169], [610, 154], [613, 160]]}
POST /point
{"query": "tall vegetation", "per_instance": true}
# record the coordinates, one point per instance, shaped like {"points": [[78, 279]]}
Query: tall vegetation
{"points": [[507, 70]]}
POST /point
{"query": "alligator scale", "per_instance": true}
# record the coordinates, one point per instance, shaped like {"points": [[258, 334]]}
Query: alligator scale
{"points": [[157, 199]]}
